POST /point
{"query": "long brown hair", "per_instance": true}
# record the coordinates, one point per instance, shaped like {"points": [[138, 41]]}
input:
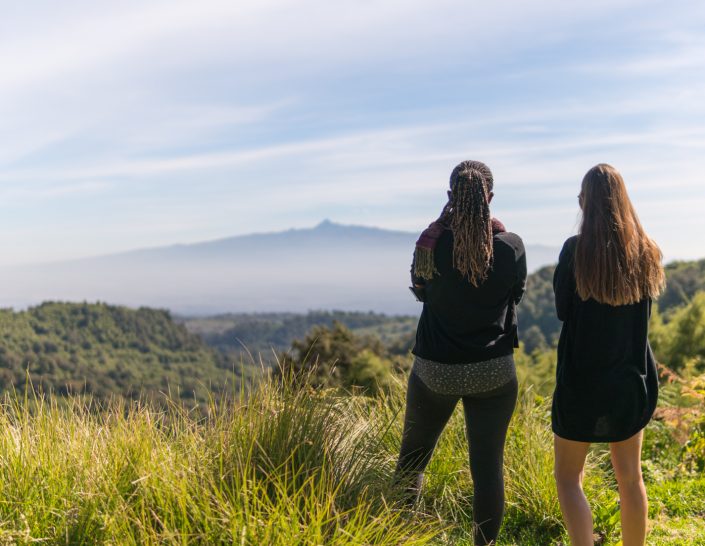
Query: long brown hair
{"points": [[468, 216], [616, 262]]}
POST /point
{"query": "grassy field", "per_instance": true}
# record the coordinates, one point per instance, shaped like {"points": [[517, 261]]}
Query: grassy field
{"points": [[294, 467]]}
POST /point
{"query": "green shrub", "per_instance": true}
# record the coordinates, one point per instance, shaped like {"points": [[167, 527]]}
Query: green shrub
{"points": [[694, 449]]}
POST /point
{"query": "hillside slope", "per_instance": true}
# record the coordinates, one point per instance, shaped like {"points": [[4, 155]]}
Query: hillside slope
{"points": [[105, 351]]}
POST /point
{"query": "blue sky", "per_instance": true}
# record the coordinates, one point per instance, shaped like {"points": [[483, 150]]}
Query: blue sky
{"points": [[126, 124]]}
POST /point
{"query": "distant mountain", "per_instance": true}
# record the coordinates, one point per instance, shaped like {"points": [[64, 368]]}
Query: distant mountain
{"points": [[330, 266]]}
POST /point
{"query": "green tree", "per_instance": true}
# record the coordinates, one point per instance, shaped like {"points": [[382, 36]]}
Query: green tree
{"points": [[537, 368], [335, 357], [537, 312], [685, 279], [679, 339], [370, 371]]}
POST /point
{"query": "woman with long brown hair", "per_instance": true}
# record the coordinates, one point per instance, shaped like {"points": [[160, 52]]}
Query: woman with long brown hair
{"points": [[606, 378], [470, 274]]}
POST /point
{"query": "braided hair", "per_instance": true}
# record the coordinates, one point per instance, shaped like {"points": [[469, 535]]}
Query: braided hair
{"points": [[467, 213], [459, 172]]}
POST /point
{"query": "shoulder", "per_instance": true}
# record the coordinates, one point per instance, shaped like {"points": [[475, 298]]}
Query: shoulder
{"points": [[509, 240], [571, 242], [566, 259], [569, 247]]}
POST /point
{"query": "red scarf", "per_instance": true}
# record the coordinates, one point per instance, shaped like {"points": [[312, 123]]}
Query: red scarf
{"points": [[424, 266]]}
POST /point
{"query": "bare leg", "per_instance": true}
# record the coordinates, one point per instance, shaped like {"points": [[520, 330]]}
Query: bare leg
{"points": [[570, 462], [626, 460]]}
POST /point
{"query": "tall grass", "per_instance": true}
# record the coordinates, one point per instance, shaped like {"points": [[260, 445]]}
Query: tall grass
{"points": [[280, 466], [277, 466]]}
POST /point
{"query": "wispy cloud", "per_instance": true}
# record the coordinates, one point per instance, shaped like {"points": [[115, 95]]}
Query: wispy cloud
{"points": [[173, 120], [51, 191]]}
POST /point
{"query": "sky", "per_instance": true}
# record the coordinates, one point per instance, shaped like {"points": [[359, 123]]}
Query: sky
{"points": [[128, 124]]}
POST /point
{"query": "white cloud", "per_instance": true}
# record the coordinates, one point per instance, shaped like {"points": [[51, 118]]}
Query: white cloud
{"points": [[677, 54], [236, 98], [30, 194], [73, 46]]}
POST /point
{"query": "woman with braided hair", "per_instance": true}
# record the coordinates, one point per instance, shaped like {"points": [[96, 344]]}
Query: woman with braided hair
{"points": [[470, 273]]}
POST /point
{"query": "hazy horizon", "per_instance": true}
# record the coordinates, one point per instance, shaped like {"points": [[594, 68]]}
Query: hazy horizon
{"points": [[177, 244], [330, 266], [174, 244]]}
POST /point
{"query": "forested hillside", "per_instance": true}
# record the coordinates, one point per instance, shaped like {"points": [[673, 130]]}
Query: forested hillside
{"points": [[105, 351], [538, 325], [243, 334], [685, 279]]}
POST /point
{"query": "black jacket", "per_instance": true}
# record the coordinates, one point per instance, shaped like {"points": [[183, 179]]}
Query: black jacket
{"points": [[606, 377], [462, 323]]}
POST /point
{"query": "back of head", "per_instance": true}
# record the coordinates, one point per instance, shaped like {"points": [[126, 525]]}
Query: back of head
{"points": [[470, 165], [615, 260], [468, 215]]}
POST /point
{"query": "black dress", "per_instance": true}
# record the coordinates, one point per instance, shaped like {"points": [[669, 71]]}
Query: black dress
{"points": [[606, 378]]}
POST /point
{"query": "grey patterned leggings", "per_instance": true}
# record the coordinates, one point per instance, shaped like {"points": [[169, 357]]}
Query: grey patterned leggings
{"points": [[487, 417]]}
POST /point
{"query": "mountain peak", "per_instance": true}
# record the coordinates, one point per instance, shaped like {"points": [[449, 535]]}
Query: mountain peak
{"points": [[326, 224]]}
